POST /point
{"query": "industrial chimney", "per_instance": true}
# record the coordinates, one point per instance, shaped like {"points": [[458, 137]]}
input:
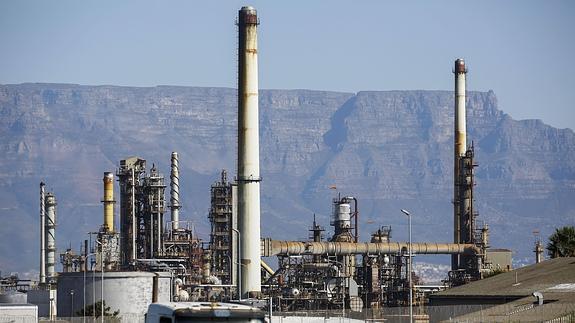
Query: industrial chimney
{"points": [[42, 233], [248, 154], [175, 192], [108, 202], [460, 72]]}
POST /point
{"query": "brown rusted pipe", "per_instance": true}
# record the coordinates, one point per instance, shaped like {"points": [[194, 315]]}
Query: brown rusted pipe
{"points": [[286, 248]]}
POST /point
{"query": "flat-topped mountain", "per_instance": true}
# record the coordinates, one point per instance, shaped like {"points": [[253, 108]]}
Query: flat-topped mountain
{"points": [[390, 149]]}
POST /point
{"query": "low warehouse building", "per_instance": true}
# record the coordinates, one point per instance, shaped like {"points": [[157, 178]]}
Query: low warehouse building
{"points": [[540, 292]]}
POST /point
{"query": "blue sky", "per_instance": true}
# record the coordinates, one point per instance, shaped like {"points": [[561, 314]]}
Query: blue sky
{"points": [[523, 50]]}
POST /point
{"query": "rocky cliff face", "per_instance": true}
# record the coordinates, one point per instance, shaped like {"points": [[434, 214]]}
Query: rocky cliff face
{"points": [[390, 149]]}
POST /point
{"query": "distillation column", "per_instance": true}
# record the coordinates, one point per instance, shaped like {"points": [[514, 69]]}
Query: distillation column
{"points": [[175, 192], [221, 237], [460, 146], [248, 154], [129, 177], [538, 251], [42, 233], [108, 202], [50, 228]]}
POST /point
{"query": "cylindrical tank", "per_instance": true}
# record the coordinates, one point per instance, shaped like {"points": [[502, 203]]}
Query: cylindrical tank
{"points": [[342, 214], [50, 234], [130, 293], [108, 201]]}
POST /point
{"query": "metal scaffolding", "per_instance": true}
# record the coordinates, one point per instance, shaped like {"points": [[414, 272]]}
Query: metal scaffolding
{"points": [[220, 217]]}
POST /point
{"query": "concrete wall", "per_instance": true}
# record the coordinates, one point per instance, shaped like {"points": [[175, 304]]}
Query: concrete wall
{"points": [[40, 298], [128, 292]]}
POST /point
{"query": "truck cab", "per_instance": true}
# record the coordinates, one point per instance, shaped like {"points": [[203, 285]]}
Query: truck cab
{"points": [[183, 312]]}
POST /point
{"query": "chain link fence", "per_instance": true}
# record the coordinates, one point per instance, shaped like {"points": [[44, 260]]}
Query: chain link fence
{"points": [[551, 313]]}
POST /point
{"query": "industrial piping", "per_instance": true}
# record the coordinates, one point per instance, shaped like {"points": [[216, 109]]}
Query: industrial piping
{"points": [[108, 202], [460, 145], [293, 248], [50, 229], [42, 233], [248, 178], [175, 192]]}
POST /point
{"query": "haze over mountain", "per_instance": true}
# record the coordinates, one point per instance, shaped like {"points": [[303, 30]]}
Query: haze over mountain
{"points": [[390, 149]]}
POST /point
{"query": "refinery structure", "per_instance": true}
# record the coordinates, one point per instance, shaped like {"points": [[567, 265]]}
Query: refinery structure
{"points": [[155, 256]]}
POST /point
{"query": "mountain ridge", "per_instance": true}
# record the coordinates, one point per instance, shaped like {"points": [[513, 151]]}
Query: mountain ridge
{"points": [[391, 149]]}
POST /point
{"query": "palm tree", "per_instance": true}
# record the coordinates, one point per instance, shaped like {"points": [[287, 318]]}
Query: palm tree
{"points": [[562, 242]]}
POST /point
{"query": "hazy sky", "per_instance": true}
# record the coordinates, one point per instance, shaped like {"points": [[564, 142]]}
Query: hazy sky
{"points": [[523, 50]]}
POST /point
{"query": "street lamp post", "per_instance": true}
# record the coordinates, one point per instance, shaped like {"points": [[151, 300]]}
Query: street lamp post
{"points": [[409, 267], [239, 275], [84, 288], [101, 280], [72, 301]]}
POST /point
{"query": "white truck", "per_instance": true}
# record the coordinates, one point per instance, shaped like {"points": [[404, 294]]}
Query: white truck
{"points": [[183, 312]]}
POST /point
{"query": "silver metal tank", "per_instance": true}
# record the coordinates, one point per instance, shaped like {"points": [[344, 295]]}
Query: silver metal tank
{"points": [[127, 292], [342, 215]]}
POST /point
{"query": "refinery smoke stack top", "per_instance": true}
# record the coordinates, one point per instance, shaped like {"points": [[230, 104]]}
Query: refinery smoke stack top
{"points": [[460, 118], [248, 154], [108, 201]]}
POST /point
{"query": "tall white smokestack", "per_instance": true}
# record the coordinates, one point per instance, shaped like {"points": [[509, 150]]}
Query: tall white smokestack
{"points": [[248, 154], [175, 192], [42, 233], [460, 140], [50, 229]]}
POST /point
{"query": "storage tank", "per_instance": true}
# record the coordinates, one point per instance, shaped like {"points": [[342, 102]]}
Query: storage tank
{"points": [[127, 292], [343, 215], [341, 218], [13, 297]]}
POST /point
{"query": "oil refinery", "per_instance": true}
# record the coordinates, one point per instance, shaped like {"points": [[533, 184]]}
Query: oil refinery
{"points": [[147, 253]]}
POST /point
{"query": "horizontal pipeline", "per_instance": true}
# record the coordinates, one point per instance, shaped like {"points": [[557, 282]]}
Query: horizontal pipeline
{"points": [[294, 248]]}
